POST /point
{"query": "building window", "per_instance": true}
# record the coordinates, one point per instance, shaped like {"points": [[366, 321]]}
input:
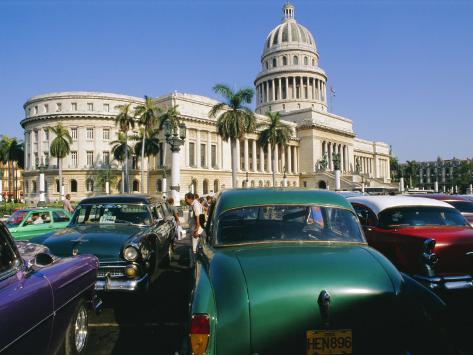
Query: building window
{"points": [[46, 134], [295, 60], [213, 157], [161, 154], [305, 183], [306, 61], [74, 133], [46, 157], [90, 106], [90, 133], [216, 186], [134, 162], [90, 158], [284, 60], [242, 154], [33, 186], [267, 65], [159, 185], [36, 110], [58, 107], [205, 187], [46, 108], [106, 158], [260, 184], [74, 106], [313, 62], [275, 63], [36, 161], [36, 136], [136, 186], [106, 107], [192, 154], [57, 185], [27, 187], [89, 185], [73, 185], [250, 155], [203, 155], [106, 133]]}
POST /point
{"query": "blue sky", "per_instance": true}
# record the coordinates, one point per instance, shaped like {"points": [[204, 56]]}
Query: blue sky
{"points": [[402, 70]]}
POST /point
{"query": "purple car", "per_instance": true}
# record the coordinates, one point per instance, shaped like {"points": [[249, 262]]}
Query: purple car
{"points": [[44, 301]]}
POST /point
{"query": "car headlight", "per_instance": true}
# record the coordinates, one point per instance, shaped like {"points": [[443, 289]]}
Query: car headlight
{"points": [[130, 253]]}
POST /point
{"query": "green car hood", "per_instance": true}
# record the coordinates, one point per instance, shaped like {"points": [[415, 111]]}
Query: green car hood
{"points": [[283, 284], [104, 241]]}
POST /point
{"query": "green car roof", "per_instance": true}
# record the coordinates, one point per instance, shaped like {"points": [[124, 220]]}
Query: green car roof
{"points": [[238, 198]]}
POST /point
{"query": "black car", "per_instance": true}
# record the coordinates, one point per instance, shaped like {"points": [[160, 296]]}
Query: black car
{"points": [[131, 235]]}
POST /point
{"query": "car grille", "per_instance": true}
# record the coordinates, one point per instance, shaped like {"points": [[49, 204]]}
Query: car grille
{"points": [[112, 271]]}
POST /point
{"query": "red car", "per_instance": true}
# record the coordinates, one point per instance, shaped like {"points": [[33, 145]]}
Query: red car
{"points": [[425, 238], [463, 204]]}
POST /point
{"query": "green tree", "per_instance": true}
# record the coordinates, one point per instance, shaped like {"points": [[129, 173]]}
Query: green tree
{"points": [[411, 171], [234, 118], [16, 157], [171, 118], [147, 115], [60, 148], [120, 150], [104, 175], [125, 122], [273, 132]]}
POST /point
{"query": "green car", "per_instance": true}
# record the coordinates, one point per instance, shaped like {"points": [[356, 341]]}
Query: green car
{"points": [[25, 224], [283, 271]]}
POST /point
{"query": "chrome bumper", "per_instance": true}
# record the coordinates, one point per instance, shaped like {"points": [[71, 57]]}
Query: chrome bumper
{"points": [[460, 282], [109, 284]]}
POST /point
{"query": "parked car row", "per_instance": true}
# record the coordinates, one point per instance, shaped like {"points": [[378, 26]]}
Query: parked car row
{"points": [[276, 271]]}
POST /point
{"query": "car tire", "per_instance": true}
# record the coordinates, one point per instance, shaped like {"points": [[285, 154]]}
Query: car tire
{"points": [[77, 332]]}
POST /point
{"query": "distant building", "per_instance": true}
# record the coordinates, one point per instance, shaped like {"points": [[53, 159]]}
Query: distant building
{"points": [[290, 82]]}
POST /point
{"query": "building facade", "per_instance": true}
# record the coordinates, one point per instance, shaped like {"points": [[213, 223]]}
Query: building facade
{"points": [[290, 82]]}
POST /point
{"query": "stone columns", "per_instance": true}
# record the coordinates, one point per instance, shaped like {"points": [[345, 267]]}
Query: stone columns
{"points": [[330, 147], [293, 87], [279, 89], [287, 87], [219, 152], [289, 159], [276, 158], [197, 149], [246, 162], [255, 159], [209, 151], [237, 144], [272, 89], [341, 151], [283, 158], [270, 152], [261, 159]]}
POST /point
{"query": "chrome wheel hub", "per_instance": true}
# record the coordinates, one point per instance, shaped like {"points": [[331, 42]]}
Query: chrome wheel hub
{"points": [[81, 329]]}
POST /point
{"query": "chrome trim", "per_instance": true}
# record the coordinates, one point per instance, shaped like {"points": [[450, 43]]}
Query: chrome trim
{"points": [[108, 284], [460, 282]]}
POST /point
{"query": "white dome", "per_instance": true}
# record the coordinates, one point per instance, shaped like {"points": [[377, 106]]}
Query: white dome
{"points": [[289, 34]]}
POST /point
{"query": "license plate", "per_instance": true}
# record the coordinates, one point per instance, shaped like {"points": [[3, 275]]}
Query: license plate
{"points": [[323, 342]]}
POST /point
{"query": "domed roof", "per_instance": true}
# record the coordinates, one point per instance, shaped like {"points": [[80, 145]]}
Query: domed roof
{"points": [[289, 34]]}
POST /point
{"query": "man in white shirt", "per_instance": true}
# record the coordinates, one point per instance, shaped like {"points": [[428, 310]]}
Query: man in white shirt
{"points": [[195, 229]]}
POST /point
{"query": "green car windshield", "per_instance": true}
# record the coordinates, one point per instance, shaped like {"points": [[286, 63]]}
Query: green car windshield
{"points": [[111, 214], [15, 219], [288, 223]]}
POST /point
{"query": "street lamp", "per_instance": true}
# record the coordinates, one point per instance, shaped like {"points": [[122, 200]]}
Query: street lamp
{"points": [[336, 164], [42, 167], [175, 136], [246, 179]]}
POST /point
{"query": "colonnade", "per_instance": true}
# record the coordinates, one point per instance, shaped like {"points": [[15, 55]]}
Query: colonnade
{"points": [[331, 148], [366, 165], [291, 87]]}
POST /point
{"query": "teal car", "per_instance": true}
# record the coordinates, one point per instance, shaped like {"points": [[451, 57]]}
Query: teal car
{"points": [[25, 224], [283, 271]]}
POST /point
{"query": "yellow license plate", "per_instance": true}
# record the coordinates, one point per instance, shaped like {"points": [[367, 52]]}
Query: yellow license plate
{"points": [[323, 342]]}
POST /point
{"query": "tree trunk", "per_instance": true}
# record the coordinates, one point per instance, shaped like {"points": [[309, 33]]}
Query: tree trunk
{"points": [[143, 163], [126, 163], [9, 181], [61, 187], [273, 163], [234, 164]]}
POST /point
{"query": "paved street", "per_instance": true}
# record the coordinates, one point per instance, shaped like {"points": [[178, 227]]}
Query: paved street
{"points": [[147, 325]]}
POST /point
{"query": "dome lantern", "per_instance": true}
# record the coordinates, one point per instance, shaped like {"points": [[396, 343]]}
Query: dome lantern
{"points": [[288, 11]]}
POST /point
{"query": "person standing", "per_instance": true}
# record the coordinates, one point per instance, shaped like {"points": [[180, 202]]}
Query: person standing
{"points": [[195, 228], [67, 204]]}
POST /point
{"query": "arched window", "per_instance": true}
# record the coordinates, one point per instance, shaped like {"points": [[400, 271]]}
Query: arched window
{"points": [[57, 186], [268, 183], [294, 184], [194, 186], [33, 186], [205, 187], [89, 185], [322, 184], [136, 186], [275, 63], [267, 65], [284, 60], [73, 185], [243, 183], [159, 185], [261, 183], [281, 183], [306, 61], [252, 183], [216, 186], [305, 183], [27, 187], [295, 60], [313, 62]]}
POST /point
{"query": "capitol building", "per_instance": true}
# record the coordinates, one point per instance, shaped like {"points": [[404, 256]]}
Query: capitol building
{"points": [[290, 82]]}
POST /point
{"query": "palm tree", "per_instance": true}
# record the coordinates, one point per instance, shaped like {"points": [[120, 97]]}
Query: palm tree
{"points": [[147, 115], [125, 121], [235, 120], [4, 158], [16, 156], [171, 118], [150, 148], [274, 132], [120, 150], [60, 148]]}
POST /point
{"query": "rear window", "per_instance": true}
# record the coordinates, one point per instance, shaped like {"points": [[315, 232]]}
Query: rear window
{"points": [[16, 218], [462, 206], [60, 216], [400, 217], [288, 223]]}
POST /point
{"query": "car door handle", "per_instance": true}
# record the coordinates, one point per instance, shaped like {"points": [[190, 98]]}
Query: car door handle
{"points": [[369, 229]]}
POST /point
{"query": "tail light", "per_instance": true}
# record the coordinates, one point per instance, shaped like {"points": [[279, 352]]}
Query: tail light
{"points": [[200, 331]]}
